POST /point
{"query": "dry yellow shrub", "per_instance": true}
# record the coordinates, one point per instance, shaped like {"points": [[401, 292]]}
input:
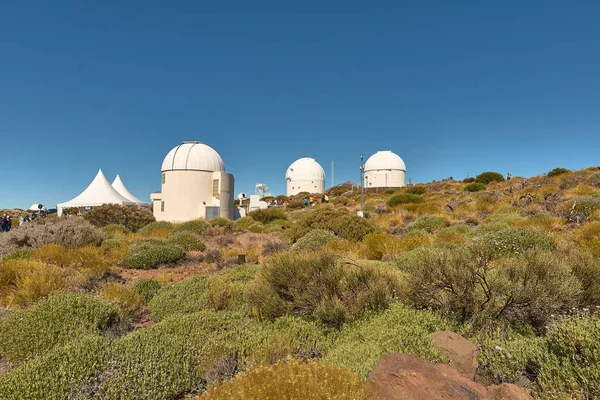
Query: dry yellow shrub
{"points": [[22, 282], [293, 380], [126, 298]]}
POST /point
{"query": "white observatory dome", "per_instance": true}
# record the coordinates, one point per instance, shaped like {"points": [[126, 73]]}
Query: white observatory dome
{"points": [[193, 156], [385, 160], [305, 169]]}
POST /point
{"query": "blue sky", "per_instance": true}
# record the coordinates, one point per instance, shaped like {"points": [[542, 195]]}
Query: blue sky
{"points": [[452, 87]]}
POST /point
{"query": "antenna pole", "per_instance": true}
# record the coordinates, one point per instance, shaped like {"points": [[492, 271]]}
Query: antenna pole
{"points": [[362, 186], [332, 172]]}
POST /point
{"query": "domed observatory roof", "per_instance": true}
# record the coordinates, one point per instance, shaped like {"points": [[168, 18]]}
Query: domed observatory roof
{"points": [[305, 169], [385, 160], [193, 156]]}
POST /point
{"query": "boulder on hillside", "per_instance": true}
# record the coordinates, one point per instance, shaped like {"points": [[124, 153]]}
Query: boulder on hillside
{"points": [[408, 377], [461, 352]]}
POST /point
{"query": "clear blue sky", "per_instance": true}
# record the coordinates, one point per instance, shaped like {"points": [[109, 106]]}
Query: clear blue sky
{"points": [[453, 87]]}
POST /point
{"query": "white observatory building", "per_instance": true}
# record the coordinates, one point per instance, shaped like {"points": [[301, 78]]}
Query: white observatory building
{"points": [[385, 169], [194, 185], [305, 175]]}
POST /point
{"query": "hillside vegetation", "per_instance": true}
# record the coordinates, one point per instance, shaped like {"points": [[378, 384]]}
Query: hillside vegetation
{"points": [[114, 305]]}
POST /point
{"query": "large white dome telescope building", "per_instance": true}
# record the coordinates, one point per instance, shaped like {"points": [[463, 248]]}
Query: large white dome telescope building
{"points": [[194, 185], [305, 175], [385, 169]]}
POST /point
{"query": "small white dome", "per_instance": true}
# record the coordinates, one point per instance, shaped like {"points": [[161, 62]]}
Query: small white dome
{"points": [[385, 160], [305, 169], [193, 156]]}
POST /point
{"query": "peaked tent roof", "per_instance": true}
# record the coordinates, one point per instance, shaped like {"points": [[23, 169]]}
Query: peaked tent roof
{"points": [[97, 193], [120, 187]]}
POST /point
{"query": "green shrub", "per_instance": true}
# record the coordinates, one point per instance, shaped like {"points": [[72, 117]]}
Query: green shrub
{"points": [[293, 380], [187, 240], [197, 226], [317, 287], [587, 270], [404, 198], [469, 180], [389, 191], [127, 299], [114, 243], [487, 177], [21, 253], [147, 255], [428, 223], [558, 171], [314, 240], [245, 223], [60, 373], [504, 240], [267, 215], [295, 205], [118, 230], [147, 288], [278, 225], [220, 221], [399, 329], [470, 283], [132, 217], [475, 187], [339, 221], [53, 321], [156, 226], [181, 298], [416, 190]]}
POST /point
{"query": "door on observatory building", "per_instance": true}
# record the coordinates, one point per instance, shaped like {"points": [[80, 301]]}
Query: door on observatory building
{"points": [[212, 212]]}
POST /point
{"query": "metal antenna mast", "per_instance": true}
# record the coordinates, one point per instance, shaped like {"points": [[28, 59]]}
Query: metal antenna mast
{"points": [[362, 186]]}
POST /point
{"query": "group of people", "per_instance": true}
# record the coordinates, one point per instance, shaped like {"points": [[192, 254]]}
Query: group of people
{"points": [[5, 223], [314, 200]]}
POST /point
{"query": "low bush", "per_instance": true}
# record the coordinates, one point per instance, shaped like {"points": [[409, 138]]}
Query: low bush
{"points": [[502, 240], [563, 363], [128, 300], [278, 225], [114, 243], [244, 224], [220, 221], [159, 229], [399, 329], [470, 283], [314, 240], [24, 281], [293, 379], [181, 298], [487, 177], [317, 287], [67, 372], [146, 288], [557, 171], [51, 322], [428, 223], [116, 230], [69, 232], [21, 253], [339, 221], [132, 217], [469, 180], [187, 240], [147, 255], [197, 226], [404, 198], [580, 209], [475, 187], [381, 244], [416, 190], [267, 215], [295, 205]]}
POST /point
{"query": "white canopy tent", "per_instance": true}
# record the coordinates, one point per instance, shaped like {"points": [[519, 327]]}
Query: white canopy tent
{"points": [[120, 187], [98, 192]]}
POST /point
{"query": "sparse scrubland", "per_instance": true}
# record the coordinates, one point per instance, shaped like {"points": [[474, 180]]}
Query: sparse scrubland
{"points": [[114, 305]]}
